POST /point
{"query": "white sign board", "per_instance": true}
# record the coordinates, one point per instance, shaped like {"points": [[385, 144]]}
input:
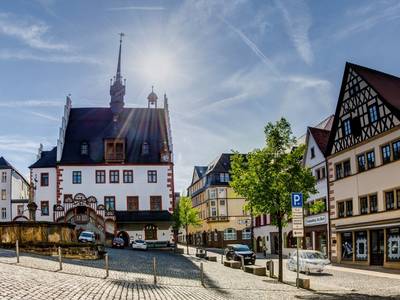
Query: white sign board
{"points": [[297, 215]]}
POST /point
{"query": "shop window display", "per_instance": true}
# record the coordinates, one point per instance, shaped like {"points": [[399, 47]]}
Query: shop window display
{"points": [[347, 246], [361, 245], [393, 244]]}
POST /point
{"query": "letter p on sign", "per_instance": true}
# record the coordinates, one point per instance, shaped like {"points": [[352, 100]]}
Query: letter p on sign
{"points": [[297, 200]]}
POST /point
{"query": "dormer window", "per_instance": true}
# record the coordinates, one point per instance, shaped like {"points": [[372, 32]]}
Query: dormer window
{"points": [[145, 148], [114, 150], [84, 148]]}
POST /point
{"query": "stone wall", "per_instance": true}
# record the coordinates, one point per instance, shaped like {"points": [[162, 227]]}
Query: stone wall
{"points": [[27, 232]]}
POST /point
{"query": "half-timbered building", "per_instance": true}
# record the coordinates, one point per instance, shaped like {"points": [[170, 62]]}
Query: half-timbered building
{"points": [[111, 171], [364, 169]]}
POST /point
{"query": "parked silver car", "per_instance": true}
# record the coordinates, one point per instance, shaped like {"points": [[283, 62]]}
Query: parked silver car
{"points": [[310, 261]]}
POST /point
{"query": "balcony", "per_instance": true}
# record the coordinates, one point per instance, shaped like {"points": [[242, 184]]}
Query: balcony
{"points": [[115, 157], [81, 219], [218, 219]]}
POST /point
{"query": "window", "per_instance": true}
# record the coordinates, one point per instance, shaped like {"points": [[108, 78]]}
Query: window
{"points": [[389, 199], [3, 194], [346, 168], [212, 194], [393, 244], [323, 173], [354, 89], [44, 208], [361, 163], [346, 127], [373, 203], [349, 208], [386, 154], [4, 213], [224, 177], [44, 179], [371, 159], [347, 246], [246, 234], [84, 148], [229, 234], [363, 205], [155, 203], [128, 176], [114, 150], [145, 148], [20, 210], [341, 209], [398, 198], [373, 113], [317, 174], [100, 176], [361, 245], [339, 171], [3, 176], [114, 176], [213, 211], [76, 177], [222, 202], [152, 176], [312, 152], [132, 203], [109, 203], [396, 150]]}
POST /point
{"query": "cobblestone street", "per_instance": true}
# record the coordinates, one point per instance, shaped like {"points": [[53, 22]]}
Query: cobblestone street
{"points": [[178, 277]]}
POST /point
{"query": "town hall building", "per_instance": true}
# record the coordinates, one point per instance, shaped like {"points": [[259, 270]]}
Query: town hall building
{"points": [[112, 170]]}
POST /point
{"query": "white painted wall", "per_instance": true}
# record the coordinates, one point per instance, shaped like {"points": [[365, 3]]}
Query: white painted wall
{"points": [[162, 235], [45, 193], [140, 187], [265, 231]]}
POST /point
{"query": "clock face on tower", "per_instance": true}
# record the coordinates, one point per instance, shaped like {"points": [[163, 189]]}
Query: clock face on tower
{"points": [[165, 157]]}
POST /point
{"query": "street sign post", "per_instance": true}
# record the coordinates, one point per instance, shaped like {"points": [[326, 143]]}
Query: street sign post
{"points": [[298, 228]]}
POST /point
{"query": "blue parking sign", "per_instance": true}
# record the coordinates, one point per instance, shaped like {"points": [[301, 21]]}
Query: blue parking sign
{"points": [[297, 200]]}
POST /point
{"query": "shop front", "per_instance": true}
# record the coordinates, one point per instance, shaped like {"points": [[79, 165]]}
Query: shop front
{"points": [[370, 246], [316, 233]]}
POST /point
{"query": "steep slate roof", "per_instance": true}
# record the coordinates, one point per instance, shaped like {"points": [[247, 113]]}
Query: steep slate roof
{"points": [[321, 137], [143, 216], [220, 165], [387, 86], [135, 125], [4, 164], [47, 160], [200, 170]]}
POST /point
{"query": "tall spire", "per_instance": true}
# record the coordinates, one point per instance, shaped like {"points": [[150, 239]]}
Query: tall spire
{"points": [[118, 76], [117, 88]]}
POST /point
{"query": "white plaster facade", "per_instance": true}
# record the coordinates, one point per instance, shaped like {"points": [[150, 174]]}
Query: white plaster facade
{"points": [[44, 193]]}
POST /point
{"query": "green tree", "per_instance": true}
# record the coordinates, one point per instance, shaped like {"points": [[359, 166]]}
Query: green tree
{"points": [[266, 177], [317, 207], [186, 216]]}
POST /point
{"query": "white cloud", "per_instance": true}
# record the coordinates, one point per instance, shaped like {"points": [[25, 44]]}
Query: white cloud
{"points": [[137, 8], [53, 58], [31, 33], [298, 22], [45, 116], [32, 103], [20, 144]]}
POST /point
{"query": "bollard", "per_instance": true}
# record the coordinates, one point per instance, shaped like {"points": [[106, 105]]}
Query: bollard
{"points": [[202, 274], [242, 261], [17, 250], [106, 263], [271, 268], [222, 259], [59, 257], [155, 270]]}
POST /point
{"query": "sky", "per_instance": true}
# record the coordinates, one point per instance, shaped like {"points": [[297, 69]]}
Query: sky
{"points": [[227, 67]]}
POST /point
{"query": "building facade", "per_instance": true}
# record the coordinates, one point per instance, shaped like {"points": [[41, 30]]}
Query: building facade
{"points": [[14, 193], [364, 169], [316, 219], [224, 220], [111, 171]]}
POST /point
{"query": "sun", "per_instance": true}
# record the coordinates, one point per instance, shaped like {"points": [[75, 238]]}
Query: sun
{"points": [[157, 67]]}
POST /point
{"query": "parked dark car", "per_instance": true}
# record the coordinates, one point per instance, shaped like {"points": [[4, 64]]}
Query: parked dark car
{"points": [[234, 251], [118, 242]]}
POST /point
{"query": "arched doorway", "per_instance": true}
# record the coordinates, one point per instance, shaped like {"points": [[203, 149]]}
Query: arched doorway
{"points": [[125, 236], [150, 232]]}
